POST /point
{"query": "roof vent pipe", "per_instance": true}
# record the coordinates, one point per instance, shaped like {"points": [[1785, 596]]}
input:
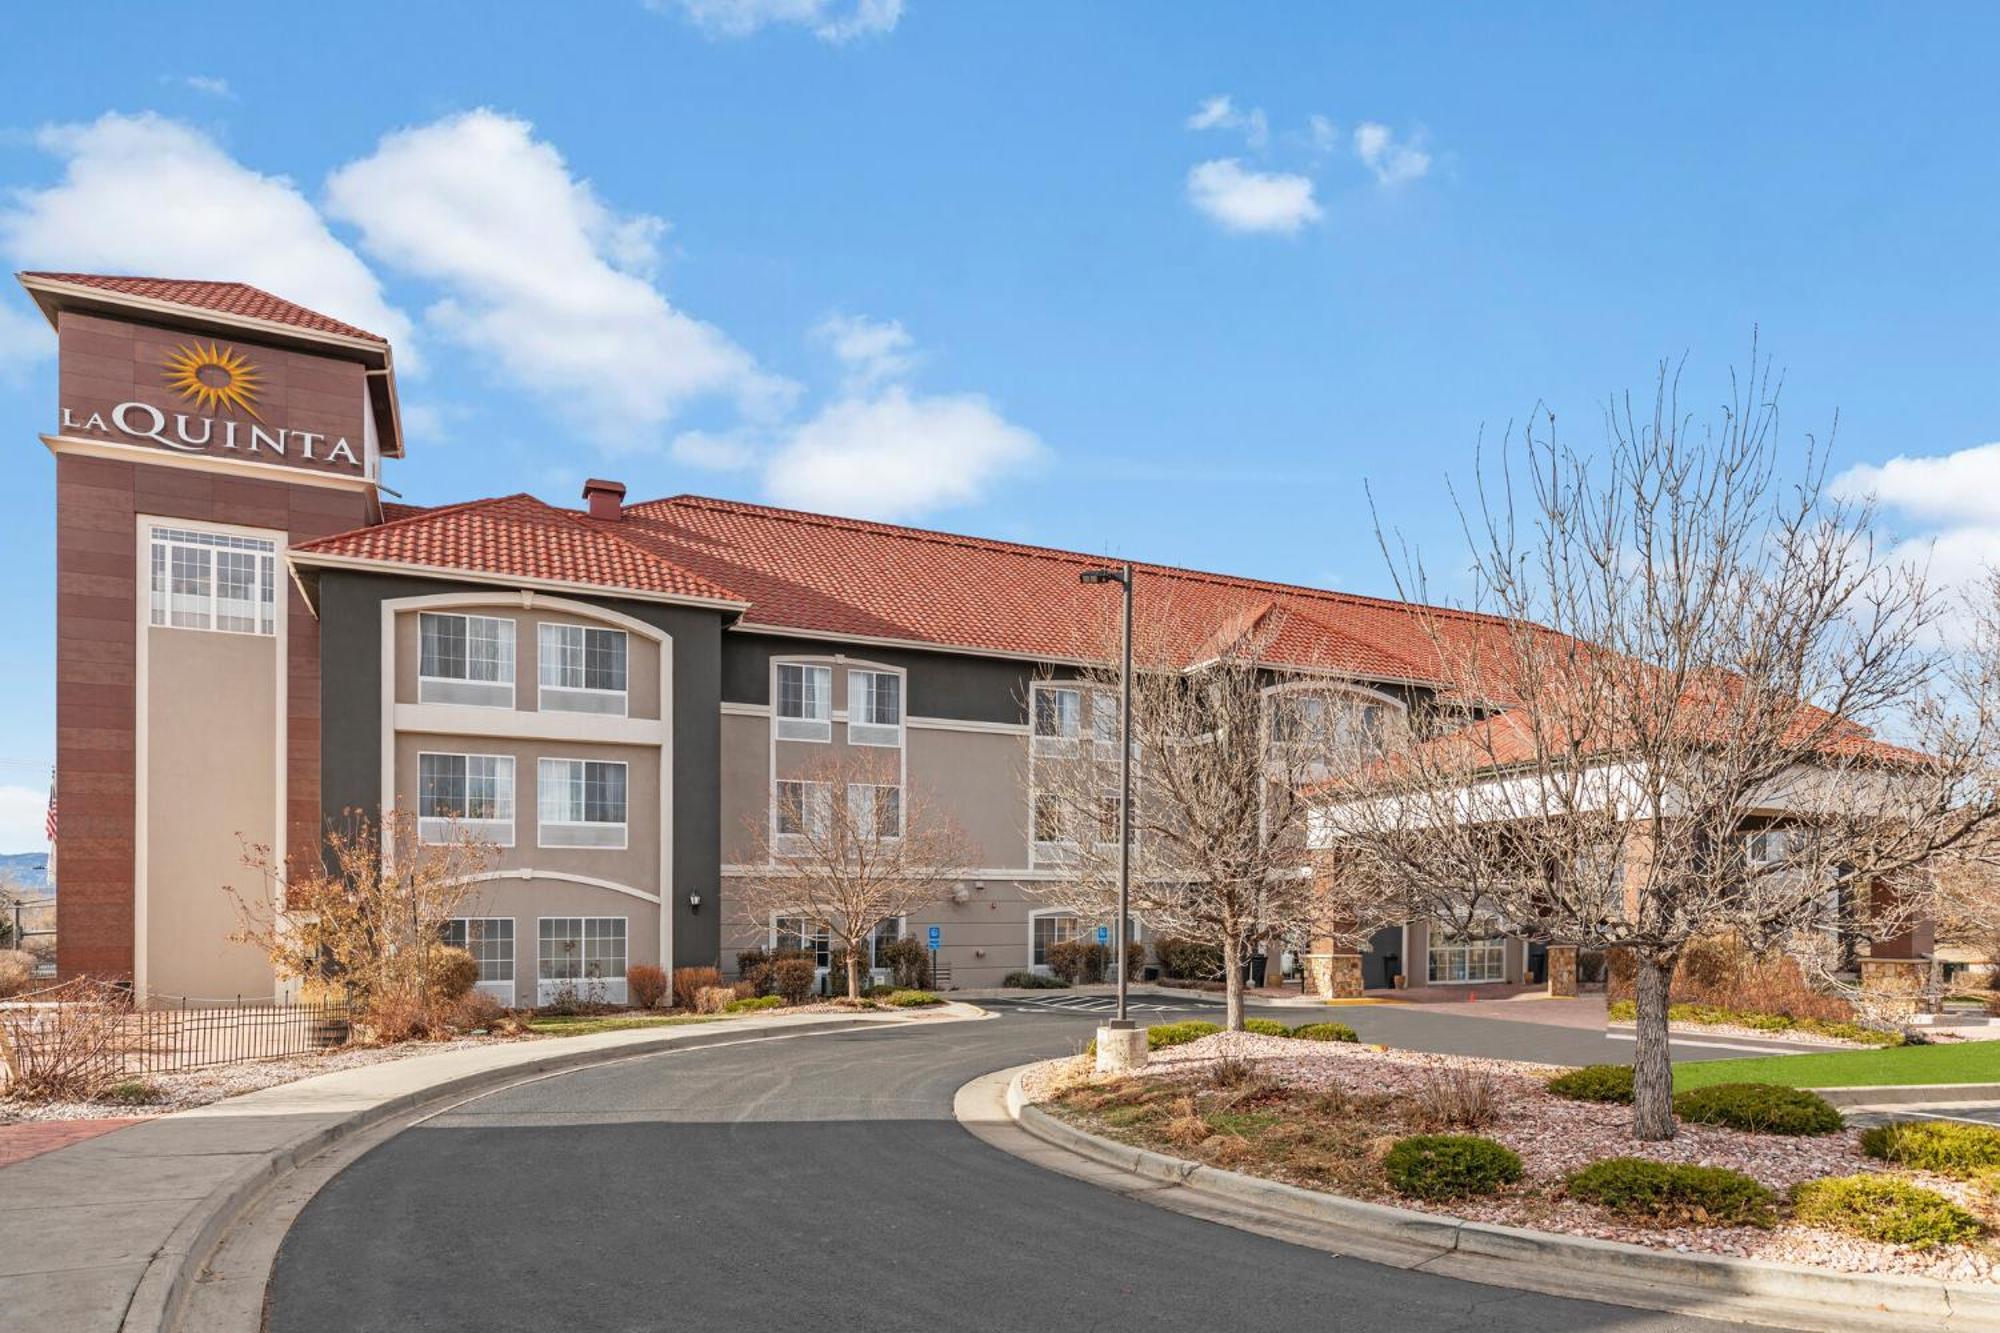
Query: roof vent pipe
{"points": [[605, 498]]}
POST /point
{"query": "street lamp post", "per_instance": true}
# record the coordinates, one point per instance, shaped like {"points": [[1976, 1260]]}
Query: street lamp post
{"points": [[1123, 577]]}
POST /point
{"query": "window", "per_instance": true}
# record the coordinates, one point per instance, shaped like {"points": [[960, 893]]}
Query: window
{"points": [[584, 955], [1058, 718], [805, 702], [874, 708], [1107, 819], [1050, 824], [794, 932], [465, 660], [885, 932], [490, 941], [477, 790], [214, 581], [877, 811], [1466, 958], [1045, 929], [1769, 847], [1104, 724], [1334, 723], [802, 808], [582, 803], [582, 668]]}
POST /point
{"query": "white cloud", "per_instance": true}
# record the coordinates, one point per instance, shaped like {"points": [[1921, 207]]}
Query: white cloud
{"points": [[1245, 200], [1219, 113], [23, 819], [1394, 162], [542, 277], [874, 351], [1322, 135], [829, 20], [146, 195], [206, 83], [895, 454], [1950, 489]]}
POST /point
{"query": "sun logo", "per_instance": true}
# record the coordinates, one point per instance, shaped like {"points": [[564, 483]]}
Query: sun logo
{"points": [[213, 378]]}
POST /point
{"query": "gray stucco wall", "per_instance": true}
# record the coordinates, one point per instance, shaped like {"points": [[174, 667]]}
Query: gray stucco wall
{"points": [[970, 689], [351, 726]]}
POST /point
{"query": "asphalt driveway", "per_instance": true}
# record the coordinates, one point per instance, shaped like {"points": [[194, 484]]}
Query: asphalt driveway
{"points": [[821, 1182]]}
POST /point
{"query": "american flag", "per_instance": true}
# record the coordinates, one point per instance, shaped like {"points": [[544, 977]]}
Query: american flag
{"points": [[52, 806]]}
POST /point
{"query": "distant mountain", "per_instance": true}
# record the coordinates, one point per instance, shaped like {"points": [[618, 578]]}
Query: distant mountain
{"points": [[29, 870]]}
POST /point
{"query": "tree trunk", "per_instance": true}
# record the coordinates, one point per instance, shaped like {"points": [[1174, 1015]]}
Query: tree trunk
{"points": [[1652, 1070], [853, 973], [1232, 982]]}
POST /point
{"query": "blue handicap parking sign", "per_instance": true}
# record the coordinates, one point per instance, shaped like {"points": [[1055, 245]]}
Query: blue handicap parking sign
{"points": [[1103, 934], [937, 936]]}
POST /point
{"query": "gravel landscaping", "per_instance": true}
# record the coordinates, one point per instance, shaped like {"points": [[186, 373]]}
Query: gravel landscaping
{"points": [[1322, 1115]]}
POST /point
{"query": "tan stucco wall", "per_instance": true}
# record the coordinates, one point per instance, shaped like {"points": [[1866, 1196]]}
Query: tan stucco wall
{"points": [[638, 866], [210, 786], [528, 900], [642, 655]]}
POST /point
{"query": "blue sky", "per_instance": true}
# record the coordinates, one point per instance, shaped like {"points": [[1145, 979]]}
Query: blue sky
{"points": [[1015, 269]]}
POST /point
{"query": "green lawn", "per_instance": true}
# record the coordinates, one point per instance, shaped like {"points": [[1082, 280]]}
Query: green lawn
{"points": [[1964, 1062], [583, 1025]]}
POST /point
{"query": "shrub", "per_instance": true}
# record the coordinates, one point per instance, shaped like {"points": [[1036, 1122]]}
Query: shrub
{"points": [[1947, 1147], [713, 999], [1457, 1095], [1624, 1011], [1673, 1193], [1079, 961], [908, 961], [1323, 1032], [1595, 1083], [401, 1015], [451, 973], [1188, 959], [1885, 1209], [911, 999], [792, 979], [1450, 1166], [743, 990], [66, 1050], [688, 981], [1760, 1108], [1033, 981], [17, 971], [1163, 1035], [474, 1010], [1265, 1027], [752, 1004], [749, 960], [647, 985], [1720, 973], [132, 1092]]}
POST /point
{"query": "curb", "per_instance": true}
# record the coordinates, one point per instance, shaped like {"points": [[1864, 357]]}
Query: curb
{"points": [[160, 1297], [1574, 1266], [1913, 1094]]}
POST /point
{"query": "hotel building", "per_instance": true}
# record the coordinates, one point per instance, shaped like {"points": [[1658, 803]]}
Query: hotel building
{"points": [[253, 642]]}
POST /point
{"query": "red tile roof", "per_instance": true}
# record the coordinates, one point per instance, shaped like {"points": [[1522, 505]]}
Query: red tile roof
{"points": [[227, 298], [518, 536], [848, 578]]}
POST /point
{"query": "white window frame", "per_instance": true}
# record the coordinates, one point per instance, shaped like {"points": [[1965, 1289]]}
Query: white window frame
{"points": [[432, 829], [820, 941], [556, 696], [165, 540], [568, 831], [1050, 913], [1440, 942], [857, 791], [815, 802], [1357, 703], [1053, 848], [814, 726], [500, 988], [1100, 702], [469, 690], [867, 731], [1061, 742], [613, 989]]}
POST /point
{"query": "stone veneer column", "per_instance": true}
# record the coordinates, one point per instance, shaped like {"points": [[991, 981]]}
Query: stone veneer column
{"points": [[1562, 971]]}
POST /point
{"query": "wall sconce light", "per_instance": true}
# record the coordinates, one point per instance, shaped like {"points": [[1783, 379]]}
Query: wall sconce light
{"points": [[694, 902]]}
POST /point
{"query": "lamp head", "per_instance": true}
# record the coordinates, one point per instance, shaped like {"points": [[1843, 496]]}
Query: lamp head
{"points": [[1099, 576]]}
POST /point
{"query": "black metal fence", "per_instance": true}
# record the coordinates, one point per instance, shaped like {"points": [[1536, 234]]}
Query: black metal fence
{"points": [[89, 1027]]}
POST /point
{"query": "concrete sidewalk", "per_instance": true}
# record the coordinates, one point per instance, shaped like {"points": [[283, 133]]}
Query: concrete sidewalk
{"points": [[108, 1234]]}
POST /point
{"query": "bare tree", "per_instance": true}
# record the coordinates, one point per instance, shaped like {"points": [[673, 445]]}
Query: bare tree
{"points": [[369, 916], [847, 848], [1672, 726], [1224, 751]]}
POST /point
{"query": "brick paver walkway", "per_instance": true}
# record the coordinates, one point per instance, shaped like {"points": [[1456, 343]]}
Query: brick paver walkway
{"points": [[34, 1137]]}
